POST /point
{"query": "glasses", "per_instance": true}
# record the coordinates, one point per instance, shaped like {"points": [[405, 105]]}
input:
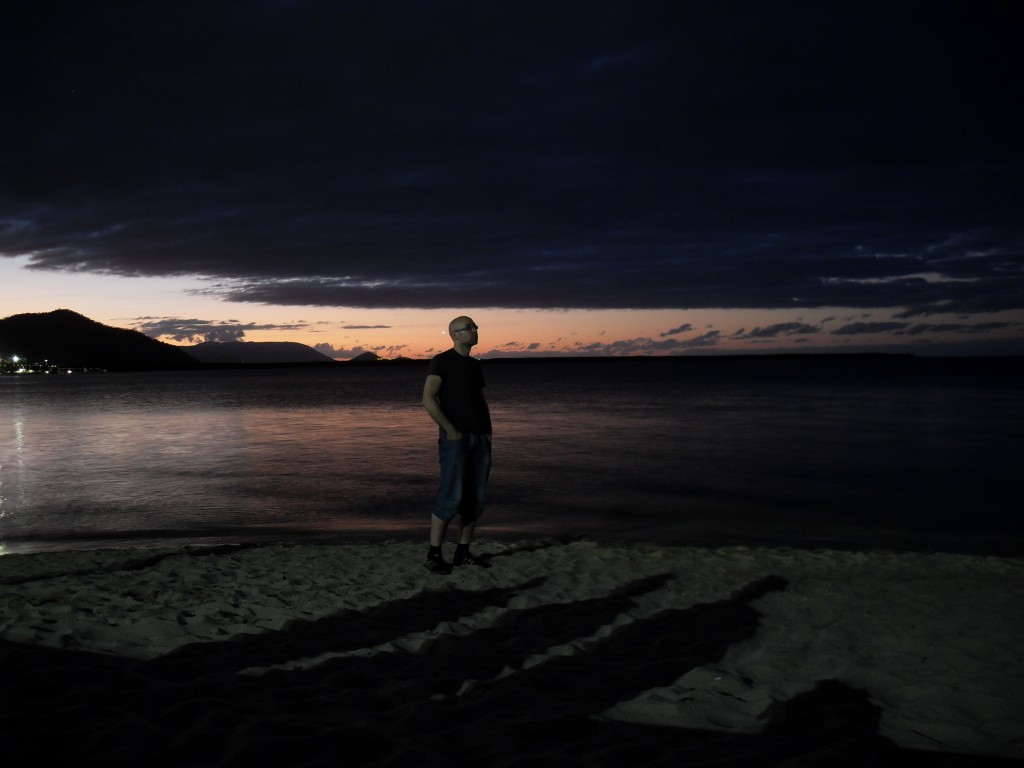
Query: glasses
{"points": [[470, 327]]}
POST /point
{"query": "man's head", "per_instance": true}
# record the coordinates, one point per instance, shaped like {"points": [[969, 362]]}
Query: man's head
{"points": [[463, 332]]}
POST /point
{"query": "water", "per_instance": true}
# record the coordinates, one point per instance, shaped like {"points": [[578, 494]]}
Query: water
{"points": [[899, 452]]}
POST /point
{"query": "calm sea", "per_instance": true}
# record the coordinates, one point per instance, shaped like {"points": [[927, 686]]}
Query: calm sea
{"points": [[841, 451]]}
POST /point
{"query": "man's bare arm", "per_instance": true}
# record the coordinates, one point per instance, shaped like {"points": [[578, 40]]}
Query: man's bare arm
{"points": [[431, 390]]}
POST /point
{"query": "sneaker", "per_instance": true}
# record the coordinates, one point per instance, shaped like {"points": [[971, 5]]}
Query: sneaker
{"points": [[471, 559], [438, 566]]}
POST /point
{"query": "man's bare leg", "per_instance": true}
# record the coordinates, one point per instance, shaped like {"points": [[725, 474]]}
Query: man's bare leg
{"points": [[466, 530], [438, 527]]}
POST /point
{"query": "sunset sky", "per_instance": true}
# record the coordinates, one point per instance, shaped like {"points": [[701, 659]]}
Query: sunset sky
{"points": [[600, 178]]}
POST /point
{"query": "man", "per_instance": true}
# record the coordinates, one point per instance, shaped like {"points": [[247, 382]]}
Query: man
{"points": [[453, 396]]}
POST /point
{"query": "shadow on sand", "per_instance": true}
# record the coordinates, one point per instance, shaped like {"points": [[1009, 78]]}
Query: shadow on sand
{"points": [[193, 707]]}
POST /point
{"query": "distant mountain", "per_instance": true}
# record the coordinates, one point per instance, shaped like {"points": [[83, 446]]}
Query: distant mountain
{"points": [[267, 352], [366, 357], [71, 340], [371, 357]]}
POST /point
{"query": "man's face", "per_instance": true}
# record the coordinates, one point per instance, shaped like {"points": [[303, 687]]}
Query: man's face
{"points": [[466, 331]]}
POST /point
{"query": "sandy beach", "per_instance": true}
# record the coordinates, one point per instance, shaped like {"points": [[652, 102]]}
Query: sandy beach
{"points": [[566, 652]]}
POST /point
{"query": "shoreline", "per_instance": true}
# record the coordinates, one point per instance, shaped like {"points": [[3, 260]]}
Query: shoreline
{"points": [[565, 648], [984, 544]]}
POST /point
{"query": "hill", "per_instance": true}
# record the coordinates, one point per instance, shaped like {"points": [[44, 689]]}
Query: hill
{"points": [[367, 357], [231, 352], [372, 358], [71, 340]]}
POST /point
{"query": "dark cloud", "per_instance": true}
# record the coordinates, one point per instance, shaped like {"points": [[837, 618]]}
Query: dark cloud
{"points": [[225, 334], [508, 154], [778, 329], [193, 330], [708, 339], [347, 353], [679, 329], [859, 329], [647, 346], [959, 328]]}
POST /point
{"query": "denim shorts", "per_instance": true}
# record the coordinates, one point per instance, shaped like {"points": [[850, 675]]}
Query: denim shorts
{"points": [[465, 467]]}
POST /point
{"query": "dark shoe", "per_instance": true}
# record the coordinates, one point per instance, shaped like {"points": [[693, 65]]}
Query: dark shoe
{"points": [[471, 559], [438, 566]]}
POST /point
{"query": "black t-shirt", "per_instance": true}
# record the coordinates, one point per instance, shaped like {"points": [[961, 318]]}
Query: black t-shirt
{"points": [[462, 391]]}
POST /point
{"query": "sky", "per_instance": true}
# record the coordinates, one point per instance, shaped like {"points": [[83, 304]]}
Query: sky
{"points": [[581, 178]]}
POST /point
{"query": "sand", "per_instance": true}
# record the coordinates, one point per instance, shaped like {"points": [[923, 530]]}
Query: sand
{"points": [[565, 652]]}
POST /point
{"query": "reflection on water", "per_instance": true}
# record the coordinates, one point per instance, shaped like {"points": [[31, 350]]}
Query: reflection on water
{"points": [[677, 450], [12, 467], [163, 458]]}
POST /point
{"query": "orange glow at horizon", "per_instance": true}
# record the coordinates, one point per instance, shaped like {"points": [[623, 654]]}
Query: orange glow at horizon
{"points": [[343, 333]]}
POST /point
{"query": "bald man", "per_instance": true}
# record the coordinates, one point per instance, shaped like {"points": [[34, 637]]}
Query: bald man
{"points": [[453, 395]]}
